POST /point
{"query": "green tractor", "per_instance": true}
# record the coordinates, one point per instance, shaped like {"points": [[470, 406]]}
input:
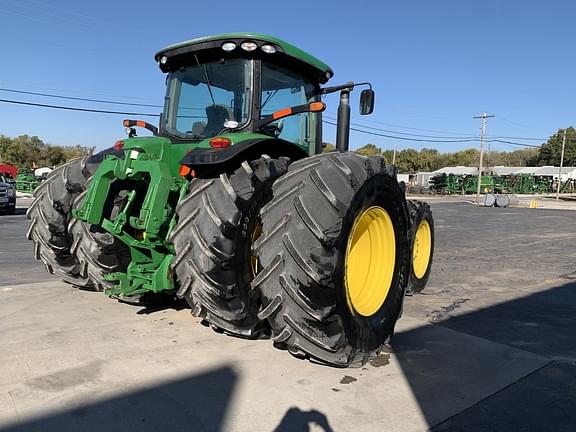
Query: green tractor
{"points": [[26, 181], [232, 205]]}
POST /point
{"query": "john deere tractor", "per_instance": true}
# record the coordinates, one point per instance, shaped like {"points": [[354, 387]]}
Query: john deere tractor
{"points": [[232, 205]]}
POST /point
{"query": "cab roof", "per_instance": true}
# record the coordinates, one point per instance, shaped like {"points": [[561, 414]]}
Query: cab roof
{"points": [[284, 51]]}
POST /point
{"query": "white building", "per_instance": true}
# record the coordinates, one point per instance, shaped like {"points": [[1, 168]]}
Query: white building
{"points": [[457, 170]]}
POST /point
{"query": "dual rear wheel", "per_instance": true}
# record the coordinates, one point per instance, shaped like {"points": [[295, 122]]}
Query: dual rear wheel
{"points": [[316, 254]]}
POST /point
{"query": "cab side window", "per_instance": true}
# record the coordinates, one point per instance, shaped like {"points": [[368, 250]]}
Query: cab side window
{"points": [[282, 89]]}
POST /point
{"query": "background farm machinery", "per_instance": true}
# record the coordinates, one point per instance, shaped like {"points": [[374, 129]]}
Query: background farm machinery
{"points": [[513, 183]]}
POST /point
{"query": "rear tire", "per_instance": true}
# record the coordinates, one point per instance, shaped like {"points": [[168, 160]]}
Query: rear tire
{"points": [[49, 214], [421, 245], [212, 241], [76, 252], [304, 251], [97, 252]]}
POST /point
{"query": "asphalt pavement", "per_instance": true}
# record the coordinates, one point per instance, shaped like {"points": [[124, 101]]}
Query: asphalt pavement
{"points": [[488, 346]]}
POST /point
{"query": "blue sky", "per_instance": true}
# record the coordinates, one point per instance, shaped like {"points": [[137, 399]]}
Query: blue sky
{"points": [[434, 65]]}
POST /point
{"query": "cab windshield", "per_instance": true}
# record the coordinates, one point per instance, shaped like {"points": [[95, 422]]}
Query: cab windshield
{"points": [[205, 99]]}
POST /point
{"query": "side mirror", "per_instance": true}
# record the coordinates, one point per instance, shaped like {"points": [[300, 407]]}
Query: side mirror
{"points": [[366, 102]]}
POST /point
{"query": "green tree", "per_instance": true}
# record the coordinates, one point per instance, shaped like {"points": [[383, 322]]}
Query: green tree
{"points": [[409, 160], [467, 157], [550, 152], [388, 155], [368, 150], [28, 151]]}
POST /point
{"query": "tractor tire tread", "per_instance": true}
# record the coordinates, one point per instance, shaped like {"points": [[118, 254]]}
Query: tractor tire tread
{"points": [[207, 238], [301, 226]]}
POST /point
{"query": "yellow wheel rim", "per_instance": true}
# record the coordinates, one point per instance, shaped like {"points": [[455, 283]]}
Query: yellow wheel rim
{"points": [[254, 262], [370, 261], [421, 249]]}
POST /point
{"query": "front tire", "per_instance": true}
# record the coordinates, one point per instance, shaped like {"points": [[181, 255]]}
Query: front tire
{"points": [[323, 299], [49, 214]]}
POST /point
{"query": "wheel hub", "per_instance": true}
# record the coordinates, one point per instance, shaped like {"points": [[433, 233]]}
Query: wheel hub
{"points": [[421, 249], [370, 261]]}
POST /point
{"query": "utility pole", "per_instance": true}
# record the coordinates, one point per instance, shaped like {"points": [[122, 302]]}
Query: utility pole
{"points": [[394, 156], [560, 169], [482, 133]]}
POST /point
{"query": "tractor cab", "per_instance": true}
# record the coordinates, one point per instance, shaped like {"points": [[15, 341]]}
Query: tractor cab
{"points": [[241, 83]]}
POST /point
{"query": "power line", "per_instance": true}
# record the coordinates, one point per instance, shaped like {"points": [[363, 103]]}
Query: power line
{"points": [[513, 143], [50, 15], [25, 16], [436, 141], [513, 122], [403, 133], [79, 98], [448, 138], [77, 109], [61, 9], [404, 127], [494, 138], [520, 138], [404, 138]]}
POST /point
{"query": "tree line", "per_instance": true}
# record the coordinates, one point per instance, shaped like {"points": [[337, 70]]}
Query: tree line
{"points": [[411, 160], [31, 152]]}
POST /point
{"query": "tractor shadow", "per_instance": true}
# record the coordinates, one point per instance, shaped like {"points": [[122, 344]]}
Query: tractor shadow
{"points": [[193, 403], [161, 303], [151, 303]]}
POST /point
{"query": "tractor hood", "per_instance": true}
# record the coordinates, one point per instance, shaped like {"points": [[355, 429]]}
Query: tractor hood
{"points": [[245, 45]]}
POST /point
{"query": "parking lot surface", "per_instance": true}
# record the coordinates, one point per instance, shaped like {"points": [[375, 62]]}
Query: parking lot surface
{"points": [[489, 345]]}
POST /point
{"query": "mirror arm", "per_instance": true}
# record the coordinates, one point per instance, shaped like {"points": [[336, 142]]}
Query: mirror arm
{"points": [[286, 112], [349, 85]]}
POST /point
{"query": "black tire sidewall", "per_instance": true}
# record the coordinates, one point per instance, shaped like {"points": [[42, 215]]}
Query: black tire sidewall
{"points": [[369, 333], [250, 218], [423, 212]]}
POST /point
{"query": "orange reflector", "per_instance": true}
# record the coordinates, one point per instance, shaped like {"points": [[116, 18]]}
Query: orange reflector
{"points": [[184, 170], [141, 124], [118, 145], [220, 142], [317, 106], [282, 113], [126, 123]]}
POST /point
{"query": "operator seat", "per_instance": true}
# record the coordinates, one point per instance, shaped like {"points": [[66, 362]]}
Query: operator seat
{"points": [[216, 115], [198, 128]]}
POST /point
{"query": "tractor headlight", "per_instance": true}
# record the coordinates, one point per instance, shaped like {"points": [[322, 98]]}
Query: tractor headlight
{"points": [[228, 46], [163, 60], [248, 46], [11, 192], [268, 49]]}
